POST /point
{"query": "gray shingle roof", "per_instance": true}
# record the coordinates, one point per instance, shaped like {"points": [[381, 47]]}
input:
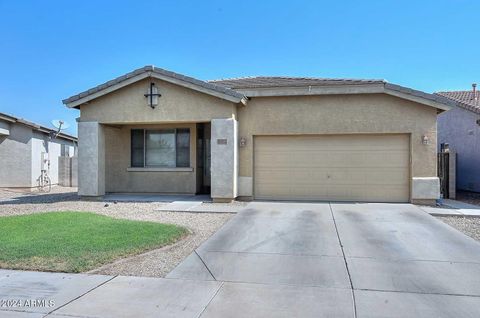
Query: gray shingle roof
{"points": [[285, 81], [259, 82], [464, 99], [160, 71], [232, 89]]}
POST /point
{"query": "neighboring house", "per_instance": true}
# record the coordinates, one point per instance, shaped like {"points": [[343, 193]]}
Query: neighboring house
{"points": [[277, 138], [460, 128], [25, 148]]}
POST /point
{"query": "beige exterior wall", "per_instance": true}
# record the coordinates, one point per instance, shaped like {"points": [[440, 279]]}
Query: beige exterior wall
{"points": [[118, 178], [182, 107], [340, 114], [177, 104], [178, 107]]}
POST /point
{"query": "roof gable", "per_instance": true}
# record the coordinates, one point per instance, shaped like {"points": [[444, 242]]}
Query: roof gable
{"points": [[158, 73]]}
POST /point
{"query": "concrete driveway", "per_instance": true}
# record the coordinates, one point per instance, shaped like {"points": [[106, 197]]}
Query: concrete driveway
{"points": [[338, 260], [288, 260]]}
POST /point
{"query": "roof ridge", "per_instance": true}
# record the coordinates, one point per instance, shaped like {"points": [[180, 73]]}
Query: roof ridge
{"points": [[301, 77], [233, 78]]}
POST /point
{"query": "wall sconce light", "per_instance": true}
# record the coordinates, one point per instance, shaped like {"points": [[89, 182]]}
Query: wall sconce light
{"points": [[425, 140], [152, 95], [242, 142]]}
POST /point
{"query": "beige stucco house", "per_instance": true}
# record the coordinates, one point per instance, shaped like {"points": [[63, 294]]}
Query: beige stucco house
{"points": [[275, 138]]}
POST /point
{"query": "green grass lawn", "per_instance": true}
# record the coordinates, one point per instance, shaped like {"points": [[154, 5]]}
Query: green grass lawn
{"points": [[76, 241]]}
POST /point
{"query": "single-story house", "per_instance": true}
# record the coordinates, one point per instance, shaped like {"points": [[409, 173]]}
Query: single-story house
{"points": [[26, 148], [273, 138], [460, 129]]}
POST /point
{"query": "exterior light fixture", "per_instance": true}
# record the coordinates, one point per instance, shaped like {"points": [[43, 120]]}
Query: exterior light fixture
{"points": [[242, 142], [152, 95], [425, 140]]}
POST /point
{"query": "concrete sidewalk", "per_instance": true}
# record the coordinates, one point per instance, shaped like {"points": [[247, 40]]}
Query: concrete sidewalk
{"points": [[37, 294], [453, 208], [201, 207]]}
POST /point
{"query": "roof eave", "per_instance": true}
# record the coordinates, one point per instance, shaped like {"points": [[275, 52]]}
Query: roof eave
{"points": [[420, 97], [34, 126], [432, 100], [312, 90]]}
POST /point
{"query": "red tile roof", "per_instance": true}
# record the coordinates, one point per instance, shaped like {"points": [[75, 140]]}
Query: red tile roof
{"points": [[465, 99]]}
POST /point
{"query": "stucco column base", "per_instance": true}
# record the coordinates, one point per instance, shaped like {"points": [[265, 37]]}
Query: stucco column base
{"points": [[429, 202], [91, 197], [223, 200], [425, 188], [245, 198]]}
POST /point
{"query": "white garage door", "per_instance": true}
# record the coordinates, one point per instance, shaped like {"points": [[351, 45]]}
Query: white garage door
{"points": [[332, 167]]}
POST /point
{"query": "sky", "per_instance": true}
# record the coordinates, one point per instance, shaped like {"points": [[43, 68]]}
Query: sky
{"points": [[50, 50]]}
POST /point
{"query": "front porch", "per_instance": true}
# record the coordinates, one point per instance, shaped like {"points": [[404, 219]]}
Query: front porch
{"points": [[159, 158], [155, 197]]}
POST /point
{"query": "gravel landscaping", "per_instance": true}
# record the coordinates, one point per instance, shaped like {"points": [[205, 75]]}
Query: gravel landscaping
{"points": [[156, 263], [468, 225]]}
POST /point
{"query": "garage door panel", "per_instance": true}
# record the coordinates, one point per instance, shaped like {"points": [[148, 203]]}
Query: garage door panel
{"points": [[332, 167], [331, 159], [370, 176]]}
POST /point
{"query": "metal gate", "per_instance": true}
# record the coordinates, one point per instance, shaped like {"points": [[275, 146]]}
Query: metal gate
{"points": [[443, 173]]}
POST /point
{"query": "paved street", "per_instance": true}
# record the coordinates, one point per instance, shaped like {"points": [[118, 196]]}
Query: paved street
{"points": [[286, 260]]}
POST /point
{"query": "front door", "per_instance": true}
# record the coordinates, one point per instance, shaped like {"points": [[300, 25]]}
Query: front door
{"points": [[203, 158]]}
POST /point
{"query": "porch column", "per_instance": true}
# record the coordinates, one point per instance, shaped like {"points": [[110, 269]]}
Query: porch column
{"points": [[224, 159], [91, 159]]}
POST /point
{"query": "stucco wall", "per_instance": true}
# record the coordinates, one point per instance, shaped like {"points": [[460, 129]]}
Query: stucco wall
{"points": [[91, 159], [337, 114], [459, 129], [224, 170], [177, 104], [332, 114], [41, 142], [15, 157], [21, 155], [117, 163]]}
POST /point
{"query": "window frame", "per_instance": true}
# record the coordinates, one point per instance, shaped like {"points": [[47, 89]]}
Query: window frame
{"points": [[144, 143]]}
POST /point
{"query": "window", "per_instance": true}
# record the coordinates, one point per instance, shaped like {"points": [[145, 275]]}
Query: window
{"points": [[168, 148]]}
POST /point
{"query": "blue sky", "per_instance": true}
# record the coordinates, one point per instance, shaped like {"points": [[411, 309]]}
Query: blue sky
{"points": [[51, 50]]}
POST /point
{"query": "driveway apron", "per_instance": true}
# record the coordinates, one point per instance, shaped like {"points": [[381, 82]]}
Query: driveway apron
{"points": [[276, 260], [405, 263]]}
